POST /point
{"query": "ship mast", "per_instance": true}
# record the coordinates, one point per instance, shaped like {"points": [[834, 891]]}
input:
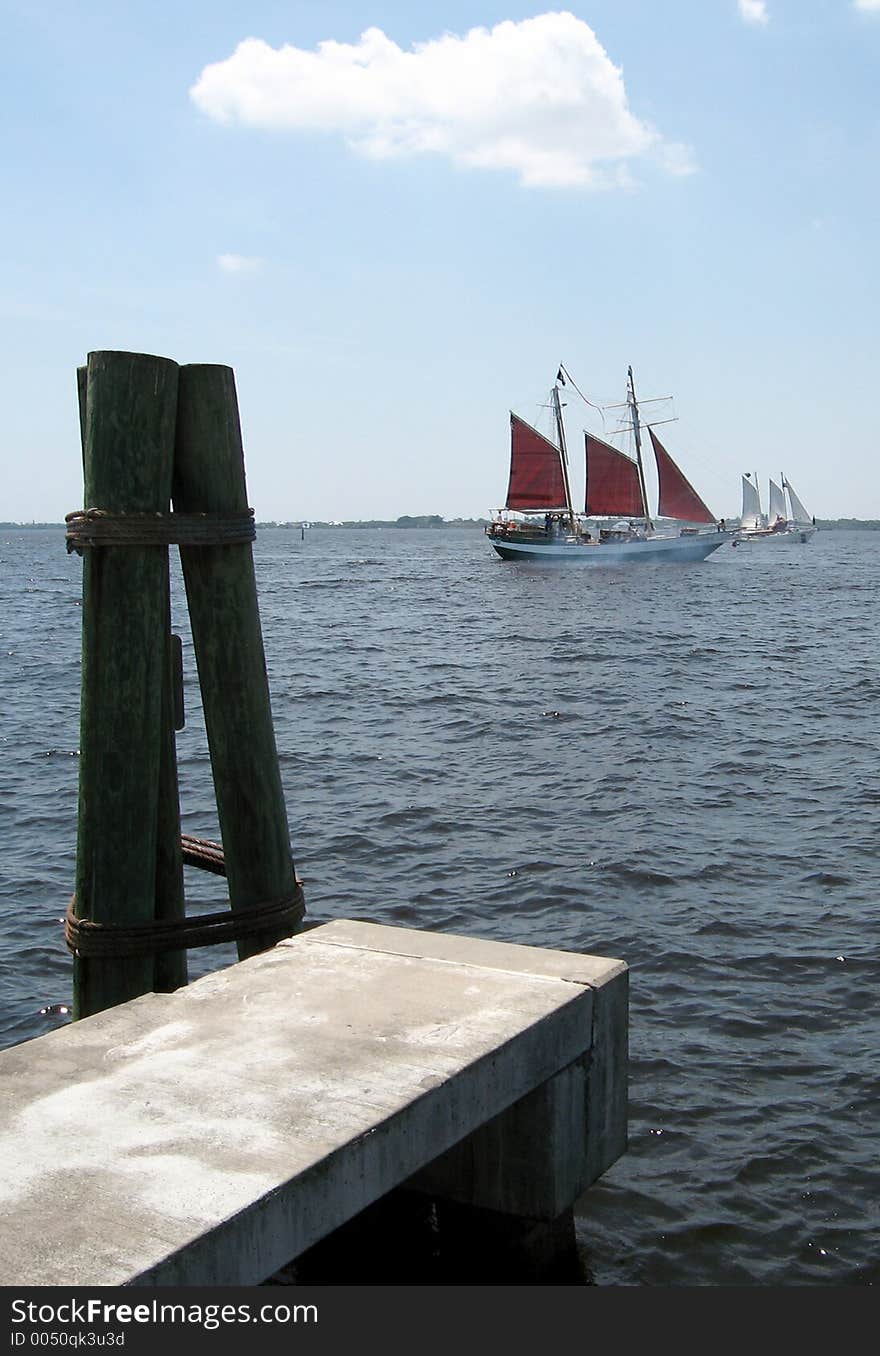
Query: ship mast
{"points": [[634, 410], [560, 433]]}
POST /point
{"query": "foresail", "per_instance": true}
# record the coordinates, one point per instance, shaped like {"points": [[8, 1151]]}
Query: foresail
{"points": [[799, 514], [536, 479], [677, 496], [777, 503], [751, 511], [613, 486]]}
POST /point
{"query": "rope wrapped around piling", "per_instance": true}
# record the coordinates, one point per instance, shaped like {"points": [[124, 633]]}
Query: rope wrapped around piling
{"points": [[99, 527], [273, 920]]}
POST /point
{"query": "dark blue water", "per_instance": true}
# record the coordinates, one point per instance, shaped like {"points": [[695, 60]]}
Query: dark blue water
{"points": [[677, 766]]}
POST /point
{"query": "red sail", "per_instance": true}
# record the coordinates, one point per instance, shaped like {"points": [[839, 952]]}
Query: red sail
{"points": [[612, 482], [536, 480], [677, 496]]}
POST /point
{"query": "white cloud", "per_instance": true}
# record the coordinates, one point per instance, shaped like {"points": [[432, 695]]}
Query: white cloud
{"points": [[754, 11], [867, 4], [239, 263], [538, 97]]}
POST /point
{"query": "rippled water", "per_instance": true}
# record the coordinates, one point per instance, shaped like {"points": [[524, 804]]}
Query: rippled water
{"points": [[675, 766]]}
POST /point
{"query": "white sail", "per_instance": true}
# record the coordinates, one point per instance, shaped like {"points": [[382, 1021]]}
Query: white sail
{"points": [[752, 517], [798, 514], [777, 504]]}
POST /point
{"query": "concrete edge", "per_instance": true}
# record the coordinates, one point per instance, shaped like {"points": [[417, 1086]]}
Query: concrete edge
{"points": [[455, 948]]}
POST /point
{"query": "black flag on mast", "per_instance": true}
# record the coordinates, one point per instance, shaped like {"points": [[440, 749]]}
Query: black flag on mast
{"points": [[560, 377]]}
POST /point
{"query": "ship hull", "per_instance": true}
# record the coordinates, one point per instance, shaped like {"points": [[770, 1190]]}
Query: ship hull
{"points": [[799, 535], [647, 551]]}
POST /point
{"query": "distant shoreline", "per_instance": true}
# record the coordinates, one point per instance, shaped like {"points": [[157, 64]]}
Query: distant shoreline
{"points": [[433, 521]]}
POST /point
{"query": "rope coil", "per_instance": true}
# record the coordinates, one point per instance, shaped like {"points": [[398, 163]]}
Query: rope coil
{"points": [[272, 920], [87, 528]]}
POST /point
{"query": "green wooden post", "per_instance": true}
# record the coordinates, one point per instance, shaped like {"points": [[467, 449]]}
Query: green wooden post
{"points": [[224, 614], [82, 387], [130, 412], [170, 968]]}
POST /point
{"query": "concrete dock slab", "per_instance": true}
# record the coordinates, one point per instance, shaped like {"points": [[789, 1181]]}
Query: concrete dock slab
{"points": [[208, 1136]]}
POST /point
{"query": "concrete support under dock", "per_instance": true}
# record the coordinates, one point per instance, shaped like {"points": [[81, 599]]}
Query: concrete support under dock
{"points": [[209, 1136]]}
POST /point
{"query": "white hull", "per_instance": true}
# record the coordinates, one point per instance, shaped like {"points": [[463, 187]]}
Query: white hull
{"points": [[649, 550], [800, 535]]}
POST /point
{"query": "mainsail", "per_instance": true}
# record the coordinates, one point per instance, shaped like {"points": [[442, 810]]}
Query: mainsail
{"points": [[677, 496], [536, 475], [799, 514], [777, 504], [752, 518], [613, 486]]}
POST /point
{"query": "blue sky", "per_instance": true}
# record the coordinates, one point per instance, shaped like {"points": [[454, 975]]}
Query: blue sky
{"points": [[395, 220]]}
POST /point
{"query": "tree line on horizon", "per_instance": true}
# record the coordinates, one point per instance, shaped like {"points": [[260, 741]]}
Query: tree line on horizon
{"points": [[434, 520]]}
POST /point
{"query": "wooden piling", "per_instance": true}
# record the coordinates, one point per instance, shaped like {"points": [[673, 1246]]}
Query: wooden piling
{"points": [[221, 594], [128, 416], [170, 967]]}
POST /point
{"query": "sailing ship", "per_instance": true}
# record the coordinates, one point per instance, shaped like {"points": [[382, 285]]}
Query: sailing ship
{"points": [[782, 522], [615, 526]]}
